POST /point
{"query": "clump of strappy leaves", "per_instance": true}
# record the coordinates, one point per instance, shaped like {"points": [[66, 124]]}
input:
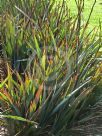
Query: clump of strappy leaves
{"points": [[53, 66]]}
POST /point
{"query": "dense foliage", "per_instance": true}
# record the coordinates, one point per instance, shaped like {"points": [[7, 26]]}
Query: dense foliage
{"points": [[52, 64]]}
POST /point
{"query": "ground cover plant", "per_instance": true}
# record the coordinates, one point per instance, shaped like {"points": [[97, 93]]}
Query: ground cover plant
{"points": [[53, 67]]}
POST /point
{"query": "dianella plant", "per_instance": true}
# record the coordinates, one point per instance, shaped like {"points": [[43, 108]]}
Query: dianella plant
{"points": [[53, 66]]}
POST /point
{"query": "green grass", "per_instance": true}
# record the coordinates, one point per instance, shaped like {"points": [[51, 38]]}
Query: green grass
{"points": [[96, 15]]}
